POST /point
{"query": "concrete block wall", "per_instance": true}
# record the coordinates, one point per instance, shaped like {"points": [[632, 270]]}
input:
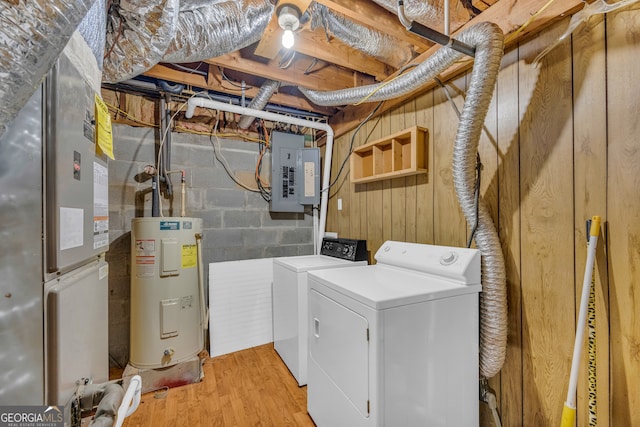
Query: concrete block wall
{"points": [[237, 223]]}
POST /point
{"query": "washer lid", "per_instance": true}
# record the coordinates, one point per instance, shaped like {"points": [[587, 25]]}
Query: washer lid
{"points": [[382, 286], [304, 263]]}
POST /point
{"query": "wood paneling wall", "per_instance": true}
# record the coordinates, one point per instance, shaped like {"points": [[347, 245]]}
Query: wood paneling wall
{"points": [[560, 145]]}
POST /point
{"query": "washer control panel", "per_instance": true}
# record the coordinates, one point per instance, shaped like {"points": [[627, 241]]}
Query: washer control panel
{"points": [[349, 249]]}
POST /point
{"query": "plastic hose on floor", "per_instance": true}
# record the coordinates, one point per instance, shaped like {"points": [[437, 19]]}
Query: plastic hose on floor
{"points": [[569, 410]]}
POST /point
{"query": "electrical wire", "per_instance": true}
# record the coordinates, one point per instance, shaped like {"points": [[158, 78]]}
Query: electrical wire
{"points": [[224, 76], [353, 138], [217, 152], [532, 18], [476, 196], [163, 138], [190, 70], [287, 59], [263, 186], [129, 116]]}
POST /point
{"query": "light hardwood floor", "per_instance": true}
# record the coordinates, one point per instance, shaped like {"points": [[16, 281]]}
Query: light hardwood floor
{"points": [[247, 388]]}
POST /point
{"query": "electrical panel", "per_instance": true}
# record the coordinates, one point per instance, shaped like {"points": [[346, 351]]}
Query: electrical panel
{"points": [[295, 173]]}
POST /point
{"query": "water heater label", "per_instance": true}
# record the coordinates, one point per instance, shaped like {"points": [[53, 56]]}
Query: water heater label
{"points": [[145, 258], [189, 256], [169, 225]]}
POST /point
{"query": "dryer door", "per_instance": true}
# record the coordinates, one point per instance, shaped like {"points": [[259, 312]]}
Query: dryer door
{"points": [[338, 344]]}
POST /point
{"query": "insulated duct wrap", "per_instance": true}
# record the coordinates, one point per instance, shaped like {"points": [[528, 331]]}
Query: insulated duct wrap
{"points": [[427, 13], [138, 35], [32, 35], [93, 30], [374, 43], [207, 29], [487, 39], [260, 101]]}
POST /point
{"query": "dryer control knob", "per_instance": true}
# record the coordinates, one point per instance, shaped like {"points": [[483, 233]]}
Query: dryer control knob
{"points": [[448, 258]]}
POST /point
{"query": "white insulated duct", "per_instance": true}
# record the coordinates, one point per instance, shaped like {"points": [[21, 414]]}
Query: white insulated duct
{"points": [[487, 39], [207, 28], [32, 35], [260, 101], [430, 13], [138, 35], [318, 233], [145, 32], [383, 47]]}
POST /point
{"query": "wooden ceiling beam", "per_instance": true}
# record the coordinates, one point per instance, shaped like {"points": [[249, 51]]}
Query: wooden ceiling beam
{"points": [[326, 78], [508, 14], [215, 82], [315, 45]]}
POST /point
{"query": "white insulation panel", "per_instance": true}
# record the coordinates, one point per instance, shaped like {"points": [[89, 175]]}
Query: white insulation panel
{"points": [[240, 305]]}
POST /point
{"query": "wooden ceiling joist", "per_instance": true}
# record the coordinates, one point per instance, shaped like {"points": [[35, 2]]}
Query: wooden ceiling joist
{"points": [[215, 82], [510, 15], [326, 78], [315, 45]]}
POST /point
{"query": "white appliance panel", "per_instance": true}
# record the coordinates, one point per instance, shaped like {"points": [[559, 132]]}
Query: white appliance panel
{"points": [[422, 355], [286, 331], [305, 263], [339, 343], [290, 304], [430, 354], [381, 288], [21, 271], [77, 333]]}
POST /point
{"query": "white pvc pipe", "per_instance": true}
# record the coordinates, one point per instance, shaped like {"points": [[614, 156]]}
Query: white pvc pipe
{"points": [[275, 117], [447, 19], [130, 401]]}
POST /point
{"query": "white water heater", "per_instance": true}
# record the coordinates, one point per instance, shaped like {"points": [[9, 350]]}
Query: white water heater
{"points": [[167, 314]]}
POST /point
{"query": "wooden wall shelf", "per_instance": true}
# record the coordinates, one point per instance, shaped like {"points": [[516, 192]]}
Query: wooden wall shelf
{"points": [[401, 154]]}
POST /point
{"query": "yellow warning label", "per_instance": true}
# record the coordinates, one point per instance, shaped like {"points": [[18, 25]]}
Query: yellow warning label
{"points": [[103, 128], [189, 256]]}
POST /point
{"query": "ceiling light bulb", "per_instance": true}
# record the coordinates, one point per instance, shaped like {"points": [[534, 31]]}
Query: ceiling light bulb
{"points": [[287, 39]]}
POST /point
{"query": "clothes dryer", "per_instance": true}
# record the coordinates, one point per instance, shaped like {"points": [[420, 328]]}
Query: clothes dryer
{"points": [[396, 343]]}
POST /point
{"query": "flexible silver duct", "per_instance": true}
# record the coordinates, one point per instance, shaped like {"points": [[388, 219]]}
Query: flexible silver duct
{"points": [[260, 101], [493, 299], [402, 85], [138, 35], [487, 38], [32, 35], [374, 43], [207, 29]]}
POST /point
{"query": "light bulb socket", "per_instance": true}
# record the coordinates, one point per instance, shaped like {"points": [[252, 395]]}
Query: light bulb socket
{"points": [[288, 17]]}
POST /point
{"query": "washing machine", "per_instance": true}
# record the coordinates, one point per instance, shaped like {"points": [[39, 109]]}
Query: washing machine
{"points": [[290, 297], [396, 343]]}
